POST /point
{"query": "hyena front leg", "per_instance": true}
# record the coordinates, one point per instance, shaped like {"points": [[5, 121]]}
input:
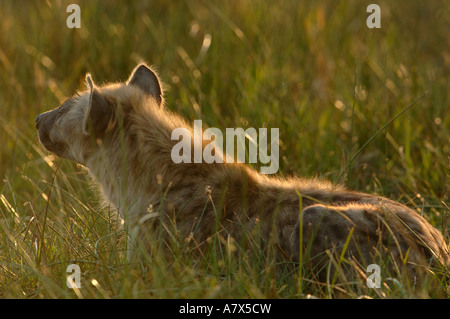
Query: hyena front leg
{"points": [[154, 232], [143, 234]]}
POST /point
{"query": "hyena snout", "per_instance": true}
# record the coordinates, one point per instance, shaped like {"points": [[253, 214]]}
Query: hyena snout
{"points": [[44, 125], [40, 122], [36, 120], [44, 119]]}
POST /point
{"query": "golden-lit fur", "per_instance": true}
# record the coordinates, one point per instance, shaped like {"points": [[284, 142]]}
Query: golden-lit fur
{"points": [[122, 134]]}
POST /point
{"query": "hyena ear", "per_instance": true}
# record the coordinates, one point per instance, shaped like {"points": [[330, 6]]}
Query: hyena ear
{"points": [[145, 79], [98, 114]]}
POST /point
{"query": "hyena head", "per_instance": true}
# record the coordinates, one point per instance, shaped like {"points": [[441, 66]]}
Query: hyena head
{"points": [[75, 129]]}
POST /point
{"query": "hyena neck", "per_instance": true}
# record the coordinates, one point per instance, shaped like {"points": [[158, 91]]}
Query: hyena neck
{"points": [[134, 165]]}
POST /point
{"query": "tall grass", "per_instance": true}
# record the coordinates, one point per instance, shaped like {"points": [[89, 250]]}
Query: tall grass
{"points": [[312, 69]]}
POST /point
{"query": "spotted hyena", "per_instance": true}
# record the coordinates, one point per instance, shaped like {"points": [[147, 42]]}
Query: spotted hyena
{"points": [[122, 133]]}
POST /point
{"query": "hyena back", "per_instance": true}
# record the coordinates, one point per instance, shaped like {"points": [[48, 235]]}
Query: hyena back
{"points": [[122, 133]]}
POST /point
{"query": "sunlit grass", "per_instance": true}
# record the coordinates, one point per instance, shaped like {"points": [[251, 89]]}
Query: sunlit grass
{"points": [[314, 70]]}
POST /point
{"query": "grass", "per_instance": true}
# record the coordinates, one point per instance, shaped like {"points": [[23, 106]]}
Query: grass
{"points": [[314, 70]]}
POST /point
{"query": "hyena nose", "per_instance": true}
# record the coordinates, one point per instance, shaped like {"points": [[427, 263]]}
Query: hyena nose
{"points": [[36, 120]]}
